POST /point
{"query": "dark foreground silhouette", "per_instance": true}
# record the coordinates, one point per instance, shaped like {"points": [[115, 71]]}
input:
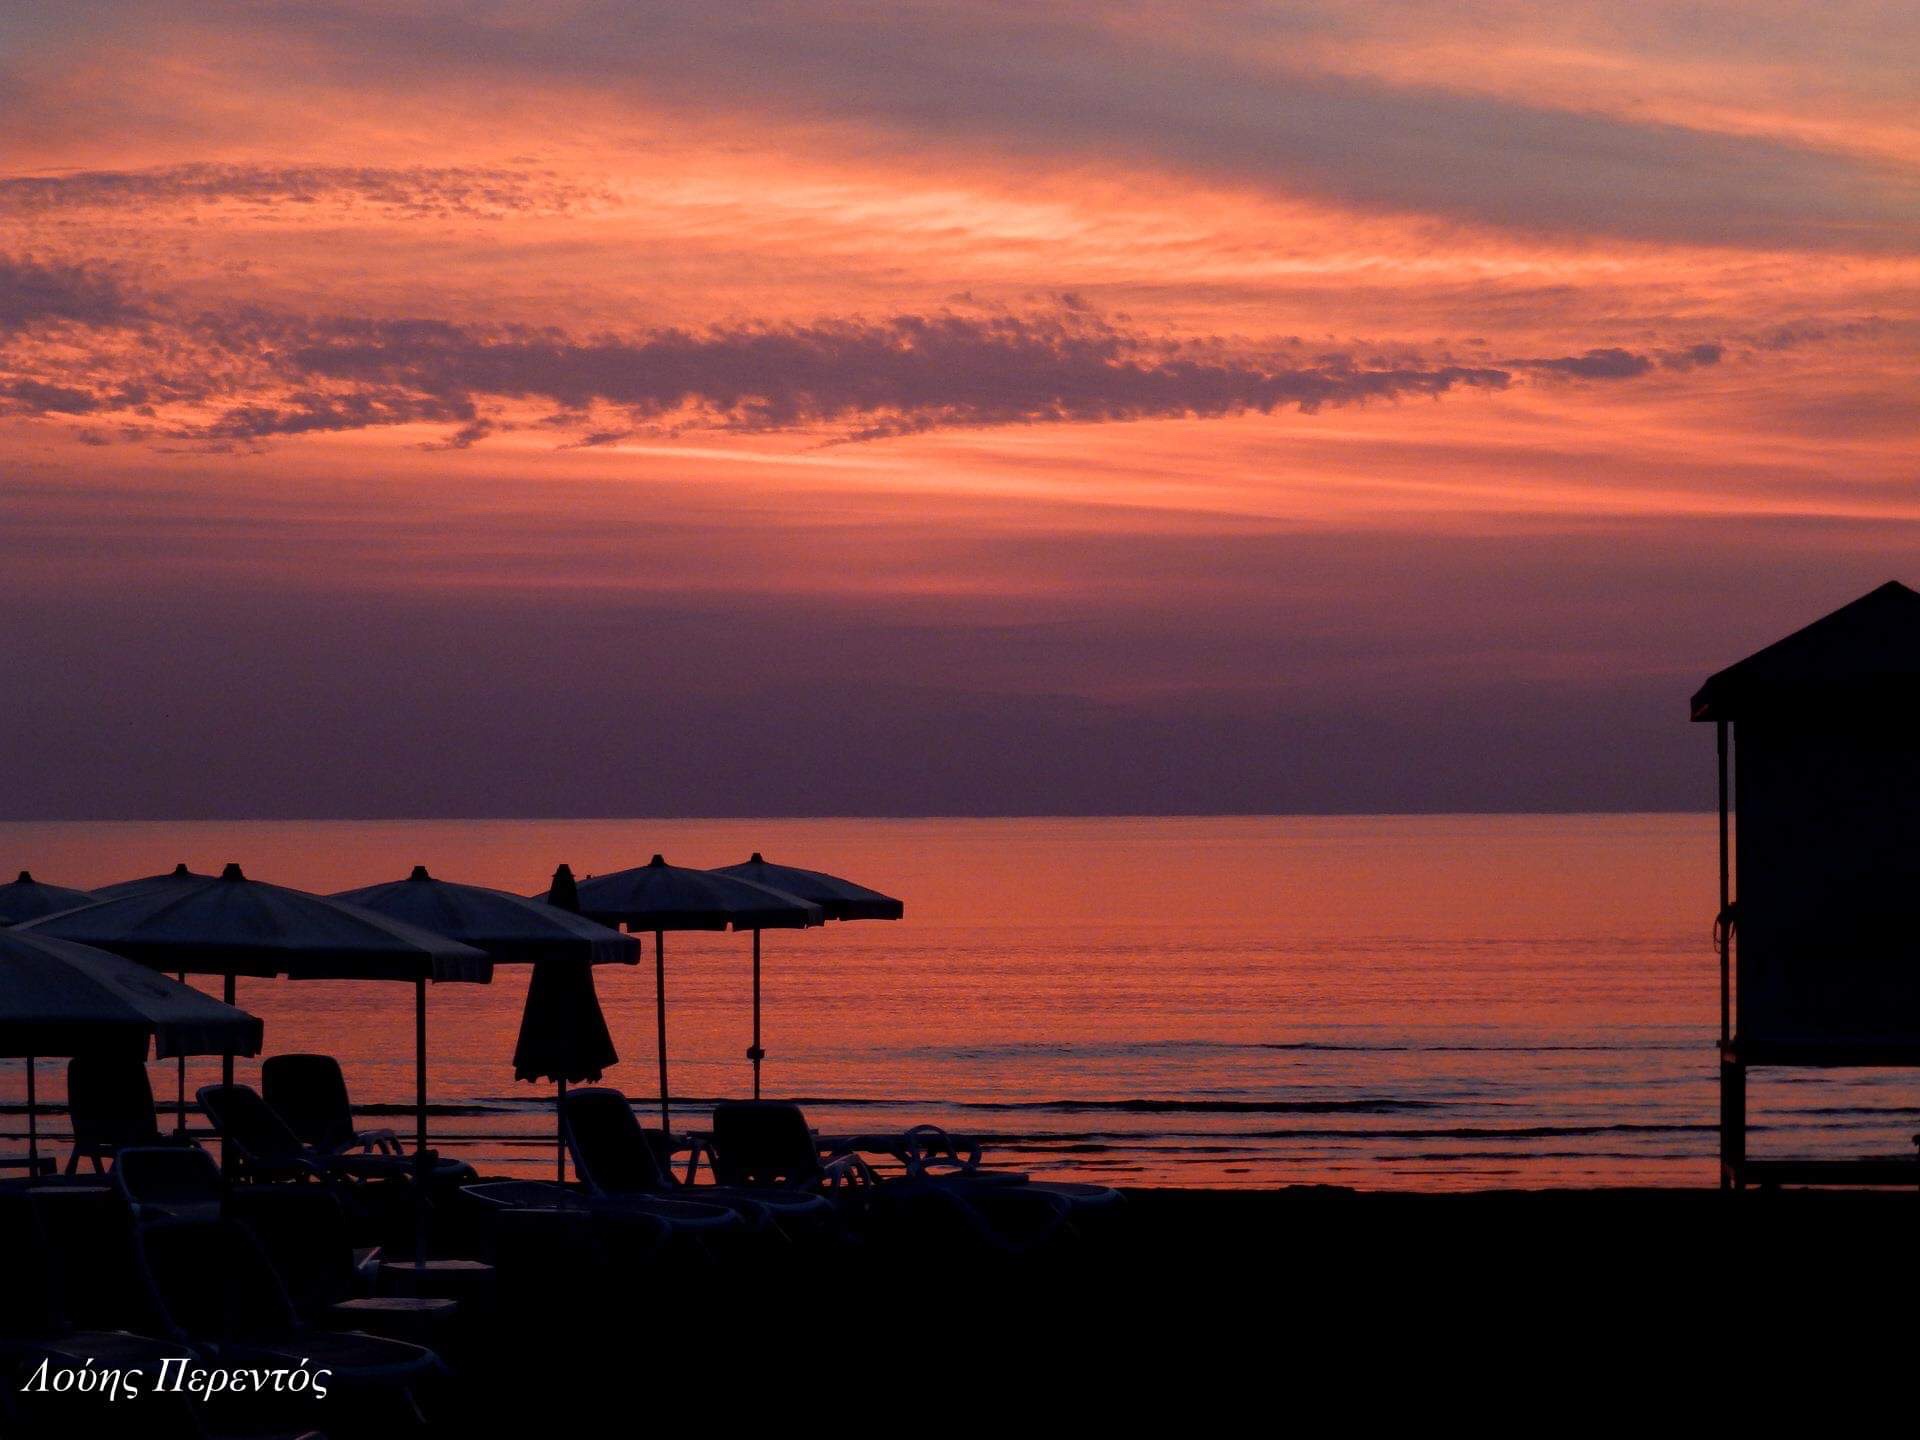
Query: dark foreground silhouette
{"points": [[1210, 1302]]}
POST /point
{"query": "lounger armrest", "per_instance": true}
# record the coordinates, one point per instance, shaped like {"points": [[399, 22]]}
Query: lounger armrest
{"points": [[848, 1172], [697, 1147], [385, 1141], [926, 1146]]}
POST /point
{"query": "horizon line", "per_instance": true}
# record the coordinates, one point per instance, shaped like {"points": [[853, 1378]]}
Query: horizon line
{"points": [[888, 816]]}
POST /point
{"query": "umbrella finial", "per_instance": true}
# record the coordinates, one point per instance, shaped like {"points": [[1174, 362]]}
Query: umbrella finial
{"points": [[419, 873], [231, 872], [564, 892], [26, 876], [755, 859], [180, 871], [658, 859]]}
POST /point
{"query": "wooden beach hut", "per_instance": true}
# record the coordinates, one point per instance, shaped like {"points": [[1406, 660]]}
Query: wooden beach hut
{"points": [[1819, 755]]}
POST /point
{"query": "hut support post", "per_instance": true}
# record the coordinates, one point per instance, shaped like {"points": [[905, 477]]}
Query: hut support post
{"points": [[1733, 1123], [1733, 1072], [560, 1133], [756, 1054]]}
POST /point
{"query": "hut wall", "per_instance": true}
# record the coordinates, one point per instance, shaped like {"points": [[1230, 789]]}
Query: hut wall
{"points": [[1827, 858]]}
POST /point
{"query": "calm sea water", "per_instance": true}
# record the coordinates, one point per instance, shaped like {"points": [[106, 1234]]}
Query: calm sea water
{"points": [[1412, 1002]]}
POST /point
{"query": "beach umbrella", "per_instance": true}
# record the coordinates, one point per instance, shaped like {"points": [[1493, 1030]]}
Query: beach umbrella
{"points": [[563, 1036], [28, 899], [838, 900], [58, 997], [232, 926], [662, 897], [177, 877]]}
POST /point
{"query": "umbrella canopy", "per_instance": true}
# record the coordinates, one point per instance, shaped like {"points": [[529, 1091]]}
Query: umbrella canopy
{"points": [[661, 897], [235, 926], [658, 896], [29, 899], [62, 998], [838, 899], [509, 928], [178, 877]]}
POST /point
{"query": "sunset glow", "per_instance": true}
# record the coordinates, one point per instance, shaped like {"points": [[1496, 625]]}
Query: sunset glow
{"points": [[1286, 394]]}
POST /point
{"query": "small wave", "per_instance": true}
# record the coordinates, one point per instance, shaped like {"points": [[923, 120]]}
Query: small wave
{"points": [[1349, 1047], [1382, 1105], [1486, 1132]]}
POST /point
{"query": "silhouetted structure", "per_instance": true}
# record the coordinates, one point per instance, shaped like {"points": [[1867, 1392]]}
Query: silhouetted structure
{"points": [[662, 897], [1819, 958], [838, 900]]}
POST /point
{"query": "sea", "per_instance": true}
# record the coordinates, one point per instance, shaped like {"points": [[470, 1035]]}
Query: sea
{"points": [[1435, 1002]]}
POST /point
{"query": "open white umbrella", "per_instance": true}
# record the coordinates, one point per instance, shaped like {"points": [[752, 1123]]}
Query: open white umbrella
{"points": [[838, 900], [28, 899], [178, 877], [561, 1012], [58, 997], [232, 926], [662, 897]]}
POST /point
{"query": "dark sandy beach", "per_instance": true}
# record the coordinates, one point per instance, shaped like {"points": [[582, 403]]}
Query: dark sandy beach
{"points": [[1206, 1309]]}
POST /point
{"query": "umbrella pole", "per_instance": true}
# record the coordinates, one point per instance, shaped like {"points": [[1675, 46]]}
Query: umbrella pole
{"points": [[560, 1134], [756, 1054], [180, 1091], [226, 1078], [226, 1060], [660, 1021], [421, 1171], [420, 1063], [33, 1124]]}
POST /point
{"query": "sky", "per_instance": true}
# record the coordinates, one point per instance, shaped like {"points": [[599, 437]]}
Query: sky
{"points": [[805, 408]]}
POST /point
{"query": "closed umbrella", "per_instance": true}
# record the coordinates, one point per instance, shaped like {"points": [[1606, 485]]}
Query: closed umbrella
{"points": [[29, 899], [662, 897], [562, 1033], [563, 1037], [231, 926], [62, 998], [838, 900]]}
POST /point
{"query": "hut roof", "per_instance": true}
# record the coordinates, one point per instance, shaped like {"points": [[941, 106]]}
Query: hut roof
{"points": [[1865, 654]]}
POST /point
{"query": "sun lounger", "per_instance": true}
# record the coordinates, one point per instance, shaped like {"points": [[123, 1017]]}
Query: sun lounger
{"points": [[613, 1158], [928, 1152], [34, 1322], [310, 1094], [303, 1230], [212, 1286], [168, 1182], [265, 1147], [110, 1101], [770, 1142]]}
